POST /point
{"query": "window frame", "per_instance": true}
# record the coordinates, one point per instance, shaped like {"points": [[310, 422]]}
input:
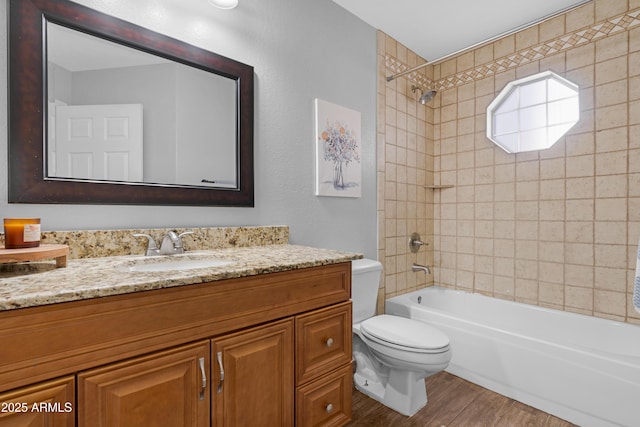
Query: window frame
{"points": [[553, 130]]}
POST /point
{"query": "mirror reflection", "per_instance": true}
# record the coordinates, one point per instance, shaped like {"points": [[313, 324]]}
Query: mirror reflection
{"points": [[119, 114]]}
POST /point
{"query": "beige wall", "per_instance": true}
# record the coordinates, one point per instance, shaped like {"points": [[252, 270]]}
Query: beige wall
{"points": [[557, 228]]}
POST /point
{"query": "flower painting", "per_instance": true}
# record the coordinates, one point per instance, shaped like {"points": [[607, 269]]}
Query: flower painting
{"points": [[338, 148]]}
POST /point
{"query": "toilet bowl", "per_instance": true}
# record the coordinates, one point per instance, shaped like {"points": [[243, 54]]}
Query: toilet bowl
{"points": [[393, 354]]}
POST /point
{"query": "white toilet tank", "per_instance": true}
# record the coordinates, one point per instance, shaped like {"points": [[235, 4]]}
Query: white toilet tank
{"points": [[365, 280]]}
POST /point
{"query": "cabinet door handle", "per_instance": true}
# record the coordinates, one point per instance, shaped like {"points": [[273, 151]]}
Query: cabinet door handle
{"points": [[329, 342], [329, 408], [219, 357], [204, 378]]}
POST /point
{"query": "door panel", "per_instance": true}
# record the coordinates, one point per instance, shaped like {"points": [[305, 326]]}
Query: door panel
{"points": [[256, 388], [49, 404], [161, 389]]}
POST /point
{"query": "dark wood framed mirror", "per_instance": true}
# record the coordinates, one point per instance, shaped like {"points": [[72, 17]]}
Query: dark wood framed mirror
{"points": [[34, 137]]}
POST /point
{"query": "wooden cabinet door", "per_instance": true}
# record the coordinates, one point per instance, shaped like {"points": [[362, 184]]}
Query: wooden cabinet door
{"points": [[253, 380], [49, 404], [167, 388]]}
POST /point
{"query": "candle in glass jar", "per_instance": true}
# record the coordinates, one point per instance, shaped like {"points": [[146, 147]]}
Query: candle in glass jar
{"points": [[21, 233]]}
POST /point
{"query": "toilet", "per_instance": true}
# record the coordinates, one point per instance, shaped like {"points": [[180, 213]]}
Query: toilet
{"points": [[393, 354]]}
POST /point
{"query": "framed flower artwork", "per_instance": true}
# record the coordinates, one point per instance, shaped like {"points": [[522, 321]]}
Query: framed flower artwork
{"points": [[338, 150]]}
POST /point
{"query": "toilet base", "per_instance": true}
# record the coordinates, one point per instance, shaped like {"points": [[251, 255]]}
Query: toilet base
{"points": [[404, 391]]}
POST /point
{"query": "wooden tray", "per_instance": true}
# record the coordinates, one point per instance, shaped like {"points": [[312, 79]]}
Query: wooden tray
{"points": [[59, 252]]}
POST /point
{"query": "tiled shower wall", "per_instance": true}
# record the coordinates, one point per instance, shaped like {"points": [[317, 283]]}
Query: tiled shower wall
{"points": [[405, 166], [556, 228]]}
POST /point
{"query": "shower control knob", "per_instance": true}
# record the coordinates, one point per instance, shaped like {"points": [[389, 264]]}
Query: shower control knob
{"points": [[415, 243], [329, 342], [329, 408]]}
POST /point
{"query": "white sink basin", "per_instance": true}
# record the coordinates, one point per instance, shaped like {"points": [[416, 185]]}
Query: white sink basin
{"points": [[177, 265]]}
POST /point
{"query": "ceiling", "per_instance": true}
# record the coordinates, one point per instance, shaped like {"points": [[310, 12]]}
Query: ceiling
{"points": [[435, 29]]}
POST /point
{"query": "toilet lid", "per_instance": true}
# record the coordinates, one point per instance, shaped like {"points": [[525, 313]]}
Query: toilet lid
{"points": [[400, 331]]}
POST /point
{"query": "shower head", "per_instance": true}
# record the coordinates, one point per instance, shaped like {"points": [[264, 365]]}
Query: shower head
{"points": [[424, 96]]}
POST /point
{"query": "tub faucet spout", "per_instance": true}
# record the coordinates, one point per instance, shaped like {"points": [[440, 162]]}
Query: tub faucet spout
{"points": [[418, 267]]}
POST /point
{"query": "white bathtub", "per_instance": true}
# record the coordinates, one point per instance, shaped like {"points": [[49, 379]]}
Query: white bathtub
{"points": [[580, 368]]}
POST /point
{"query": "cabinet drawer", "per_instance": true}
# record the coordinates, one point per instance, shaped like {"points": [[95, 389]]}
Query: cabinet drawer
{"points": [[325, 401], [323, 341]]}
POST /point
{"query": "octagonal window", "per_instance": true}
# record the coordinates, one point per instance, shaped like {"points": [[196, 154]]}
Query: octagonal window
{"points": [[533, 113]]}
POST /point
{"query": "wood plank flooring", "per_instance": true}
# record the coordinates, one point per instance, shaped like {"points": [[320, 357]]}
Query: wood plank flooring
{"points": [[454, 402]]}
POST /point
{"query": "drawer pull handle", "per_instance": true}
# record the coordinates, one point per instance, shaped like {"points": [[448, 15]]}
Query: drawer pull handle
{"points": [[204, 378], [329, 342], [219, 357], [329, 408]]}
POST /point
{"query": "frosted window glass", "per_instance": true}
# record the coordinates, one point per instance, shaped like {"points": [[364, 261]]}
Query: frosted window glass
{"points": [[508, 142], [559, 91], [557, 132], [533, 113], [510, 103], [534, 93], [532, 140], [533, 117], [506, 123], [563, 111]]}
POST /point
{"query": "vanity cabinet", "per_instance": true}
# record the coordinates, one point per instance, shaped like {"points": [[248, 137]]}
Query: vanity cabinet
{"points": [[269, 349], [165, 388], [47, 404]]}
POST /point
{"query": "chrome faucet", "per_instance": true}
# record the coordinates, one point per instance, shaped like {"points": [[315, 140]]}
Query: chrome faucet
{"points": [[418, 267], [171, 244]]}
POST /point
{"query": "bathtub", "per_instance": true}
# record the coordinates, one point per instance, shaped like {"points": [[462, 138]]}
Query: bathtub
{"points": [[583, 369]]}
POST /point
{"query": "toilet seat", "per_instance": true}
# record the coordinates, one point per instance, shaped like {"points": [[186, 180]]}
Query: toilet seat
{"points": [[404, 334]]}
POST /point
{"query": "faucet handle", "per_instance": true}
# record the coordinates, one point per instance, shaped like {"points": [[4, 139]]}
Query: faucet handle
{"points": [[152, 248], [184, 234], [415, 243]]}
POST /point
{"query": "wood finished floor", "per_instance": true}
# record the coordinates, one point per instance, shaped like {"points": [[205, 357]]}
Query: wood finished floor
{"points": [[454, 402]]}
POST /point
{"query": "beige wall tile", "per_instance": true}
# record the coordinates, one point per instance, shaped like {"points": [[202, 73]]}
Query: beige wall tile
{"points": [[527, 38], [581, 56], [612, 46], [579, 275], [580, 17], [609, 302], [581, 298], [611, 70], [608, 8], [552, 28]]}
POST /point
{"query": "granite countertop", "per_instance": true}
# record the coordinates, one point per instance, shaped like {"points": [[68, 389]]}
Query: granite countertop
{"points": [[35, 284]]}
